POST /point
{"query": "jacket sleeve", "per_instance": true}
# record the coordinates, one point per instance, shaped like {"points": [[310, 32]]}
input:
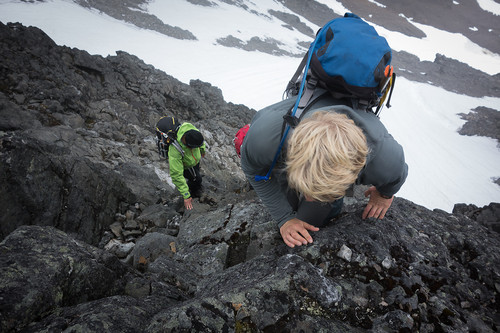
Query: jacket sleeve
{"points": [[387, 170], [273, 196], [176, 167], [385, 167], [258, 151]]}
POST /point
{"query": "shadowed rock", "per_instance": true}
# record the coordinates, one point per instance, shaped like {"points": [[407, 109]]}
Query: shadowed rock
{"points": [[77, 134], [42, 269]]}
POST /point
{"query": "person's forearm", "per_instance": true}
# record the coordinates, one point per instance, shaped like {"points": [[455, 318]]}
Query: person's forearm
{"points": [[273, 198]]}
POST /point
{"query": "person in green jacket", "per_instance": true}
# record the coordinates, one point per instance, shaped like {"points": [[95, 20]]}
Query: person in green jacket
{"points": [[185, 168]]}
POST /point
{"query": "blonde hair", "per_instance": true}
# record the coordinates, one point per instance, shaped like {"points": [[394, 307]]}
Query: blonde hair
{"points": [[325, 154]]}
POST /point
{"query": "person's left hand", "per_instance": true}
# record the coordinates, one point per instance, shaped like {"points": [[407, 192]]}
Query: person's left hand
{"points": [[377, 206]]}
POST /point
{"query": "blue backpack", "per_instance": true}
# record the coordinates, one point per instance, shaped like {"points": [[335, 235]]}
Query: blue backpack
{"points": [[349, 60]]}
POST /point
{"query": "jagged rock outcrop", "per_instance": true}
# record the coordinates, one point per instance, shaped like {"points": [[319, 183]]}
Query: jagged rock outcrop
{"points": [[482, 121], [93, 238], [415, 271], [487, 216], [77, 136]]}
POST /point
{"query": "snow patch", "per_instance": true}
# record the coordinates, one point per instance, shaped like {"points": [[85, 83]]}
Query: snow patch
{"points": [[489, 6]]}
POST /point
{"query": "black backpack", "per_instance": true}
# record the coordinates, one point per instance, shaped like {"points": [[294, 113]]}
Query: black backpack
{"points": [[166, 135]]}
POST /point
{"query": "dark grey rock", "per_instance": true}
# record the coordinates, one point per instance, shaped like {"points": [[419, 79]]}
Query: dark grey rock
{"points": [[157, 216], [394, 321], [466, 18], [294, 21], [119, 248], [77, 153], [488, 216], [176, 273], [205, 3], [258, 294], [206, 259], [268, 45], [111, 314], [210, 315], [313, 11], [42, 269], [151, 246], [132, 11], [95, 156], [483, 122], [418, 290], [446, 73]]}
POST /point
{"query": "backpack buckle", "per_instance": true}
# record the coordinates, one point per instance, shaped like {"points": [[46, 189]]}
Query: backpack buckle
{"points": [[291, 120]]}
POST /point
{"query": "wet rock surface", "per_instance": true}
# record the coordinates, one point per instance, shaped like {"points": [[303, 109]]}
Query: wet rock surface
{"points": [[94, 239]]}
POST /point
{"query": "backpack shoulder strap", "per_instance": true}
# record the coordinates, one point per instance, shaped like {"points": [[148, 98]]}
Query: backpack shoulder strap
{"points": [[174, 142], [291, 88], [287, 128], [178, 147], [309, 98]]}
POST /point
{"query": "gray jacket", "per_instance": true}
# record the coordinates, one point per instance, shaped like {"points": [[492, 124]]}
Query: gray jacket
{"points": [[385, 166]]}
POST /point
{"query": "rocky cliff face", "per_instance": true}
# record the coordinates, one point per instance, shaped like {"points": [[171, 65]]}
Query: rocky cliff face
{"points": [[94, 238], [77, 134]]}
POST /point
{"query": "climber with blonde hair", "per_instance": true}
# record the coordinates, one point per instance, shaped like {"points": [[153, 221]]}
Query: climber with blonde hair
{"points": [[333, 147], [325, 155]]}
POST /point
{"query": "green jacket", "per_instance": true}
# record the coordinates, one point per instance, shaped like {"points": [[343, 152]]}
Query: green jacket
{"points": [[177, 163]]}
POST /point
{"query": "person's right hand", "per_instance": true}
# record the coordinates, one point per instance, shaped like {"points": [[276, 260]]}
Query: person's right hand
{"points": [[188, 203], [294, 232]]}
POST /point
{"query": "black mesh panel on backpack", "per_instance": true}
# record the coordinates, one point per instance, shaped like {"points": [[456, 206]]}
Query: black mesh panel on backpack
{"points": [[166, 133]]}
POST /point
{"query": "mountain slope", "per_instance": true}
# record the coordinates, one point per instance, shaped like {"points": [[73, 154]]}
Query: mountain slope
{"points": [[245, 48], [79, 166]]}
